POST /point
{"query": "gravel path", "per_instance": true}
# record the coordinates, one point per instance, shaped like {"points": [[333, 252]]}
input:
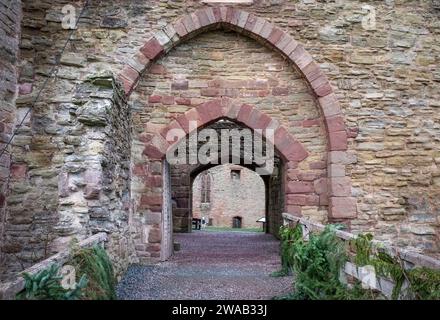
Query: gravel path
{"points": [[211, 265]]}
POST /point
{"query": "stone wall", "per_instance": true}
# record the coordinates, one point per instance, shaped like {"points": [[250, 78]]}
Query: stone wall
{"points": [[10, 19], [385, 76], [223, 64], [229, 197]]}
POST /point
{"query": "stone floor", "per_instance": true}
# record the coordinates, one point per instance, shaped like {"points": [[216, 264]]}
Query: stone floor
{"points": [[211, 265]]}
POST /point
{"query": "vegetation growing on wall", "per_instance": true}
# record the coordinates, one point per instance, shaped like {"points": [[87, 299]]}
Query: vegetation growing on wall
{"points": [[423, 283], [95, 263], [46, 285], [316, 264], [94, 276]]}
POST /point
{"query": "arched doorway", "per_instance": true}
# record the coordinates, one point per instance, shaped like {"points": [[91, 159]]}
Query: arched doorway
{"points": [[318, 184], [261, 154]]}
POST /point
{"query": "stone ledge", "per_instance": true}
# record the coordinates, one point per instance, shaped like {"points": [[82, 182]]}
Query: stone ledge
{"points": [[9, 289], [413, 258]]}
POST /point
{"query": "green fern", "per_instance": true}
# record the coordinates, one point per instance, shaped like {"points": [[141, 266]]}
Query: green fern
{"points": [[96, 264], [46, 285]]}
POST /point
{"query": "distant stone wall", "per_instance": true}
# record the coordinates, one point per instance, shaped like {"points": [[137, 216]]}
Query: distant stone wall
{"points": [[231, 197]]}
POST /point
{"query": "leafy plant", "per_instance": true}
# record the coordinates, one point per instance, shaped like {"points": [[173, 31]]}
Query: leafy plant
{"points": [[363, 248], [425, 283], [288, 236], [96, 264], [317, 264], [46, 285]]}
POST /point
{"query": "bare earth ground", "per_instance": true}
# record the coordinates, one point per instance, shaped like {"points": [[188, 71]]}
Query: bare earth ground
{"points": [[211, 265]]}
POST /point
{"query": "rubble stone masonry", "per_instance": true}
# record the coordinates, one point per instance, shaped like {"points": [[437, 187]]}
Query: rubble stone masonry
{"points": [[10, 19], [88, 158]]}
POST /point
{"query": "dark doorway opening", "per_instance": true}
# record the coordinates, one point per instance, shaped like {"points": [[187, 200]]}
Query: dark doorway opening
{"points": [[236, 222]]}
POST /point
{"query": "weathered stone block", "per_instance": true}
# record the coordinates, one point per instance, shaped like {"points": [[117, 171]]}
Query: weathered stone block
{"points": [[152, 49], [340, 186], [299, 187], [343, 207]]}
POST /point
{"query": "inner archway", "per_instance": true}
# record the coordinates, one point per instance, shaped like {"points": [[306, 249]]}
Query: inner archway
{"points": [[311, 141], [247, 148]]}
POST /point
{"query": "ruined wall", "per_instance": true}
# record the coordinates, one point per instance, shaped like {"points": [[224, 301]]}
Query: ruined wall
{"points": [[386, 79], [10, 19], [243, 197]]}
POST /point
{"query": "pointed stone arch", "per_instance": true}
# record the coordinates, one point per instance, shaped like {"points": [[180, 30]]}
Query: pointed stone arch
{"points": [[338, 186], [286, 145]]}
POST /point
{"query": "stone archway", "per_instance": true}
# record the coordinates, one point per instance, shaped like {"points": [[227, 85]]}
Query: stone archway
{"points": [[342, 205], [297, 193]]}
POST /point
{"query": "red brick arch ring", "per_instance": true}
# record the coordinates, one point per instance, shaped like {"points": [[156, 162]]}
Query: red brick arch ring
{"points": [[341, 204], [288, 147]]}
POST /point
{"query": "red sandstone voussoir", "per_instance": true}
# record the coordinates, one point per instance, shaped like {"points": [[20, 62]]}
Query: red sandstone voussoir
{"points": [[196, 22], [152, 49], [130, 73], [216, 13], [292, 150], [338, 141], [303, 60], [190, 116], [250, 23], [174, 125], [203, 17], [280, 135], [152, 152], [335, 123], [235, 17], [188, 23], [242, 19], [312, 71], [297, 53], [329, 105], [223, 13], [180, 28], [253, 118], [127, 84], [290, 47], [266, 30], [139, 62], [263, 121], [229, 15], [275, 35], [244, 113]]}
